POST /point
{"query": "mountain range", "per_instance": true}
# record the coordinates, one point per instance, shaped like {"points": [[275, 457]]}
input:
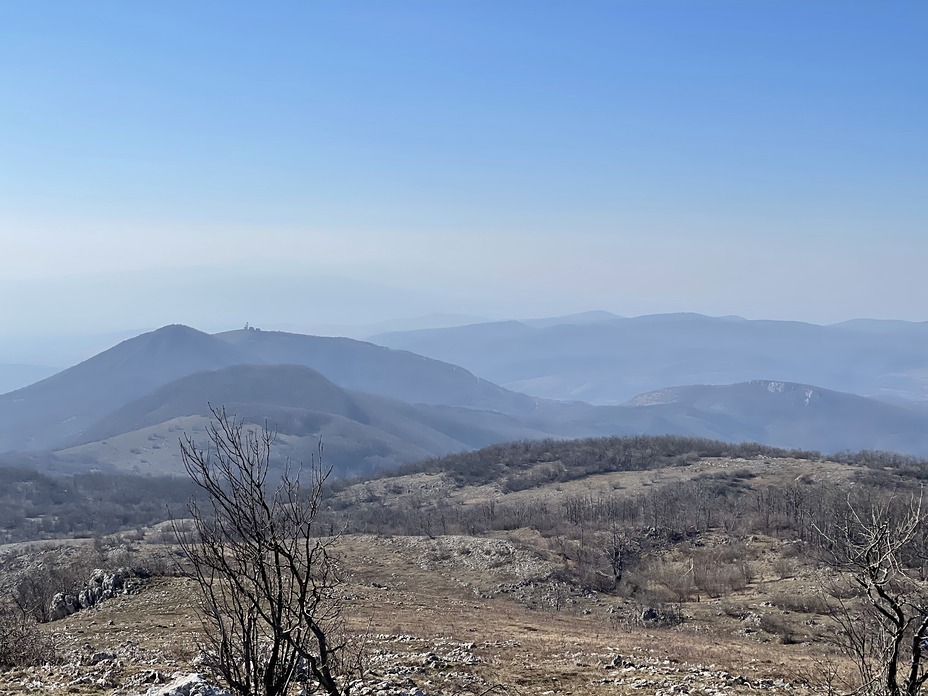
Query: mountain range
{"points": [[375, 406], [605, 359], [54, 411]]}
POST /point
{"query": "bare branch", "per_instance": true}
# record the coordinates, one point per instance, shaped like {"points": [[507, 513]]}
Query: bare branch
{"points": [[885, 634], [267, 581]]}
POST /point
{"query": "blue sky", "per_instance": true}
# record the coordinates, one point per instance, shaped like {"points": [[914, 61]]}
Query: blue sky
{"points": [[500, 159]]}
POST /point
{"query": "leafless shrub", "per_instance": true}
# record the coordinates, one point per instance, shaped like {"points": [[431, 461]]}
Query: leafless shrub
{"points": [[268, 582], [842, 588], [34, 591], [783, 567], [21, 643], [675, 578], [722, 570], [734, 611], [775, 625], [880, 547], [803, 603], [157, 565]]}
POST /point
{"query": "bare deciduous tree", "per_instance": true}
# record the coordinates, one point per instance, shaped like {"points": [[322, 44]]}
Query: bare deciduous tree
{"points": [[883, 626], [267, 580]]}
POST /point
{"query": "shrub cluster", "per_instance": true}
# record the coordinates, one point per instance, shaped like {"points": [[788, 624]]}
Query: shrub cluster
{"points": [[34, 505], [21, 642]]}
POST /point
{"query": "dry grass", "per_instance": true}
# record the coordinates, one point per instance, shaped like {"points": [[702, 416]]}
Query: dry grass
{"points": [[411, 604], [415, 488], [502, 610]]}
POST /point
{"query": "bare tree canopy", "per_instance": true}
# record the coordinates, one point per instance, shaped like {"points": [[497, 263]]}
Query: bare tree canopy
{"points": [[268, 581], [883, 627]]}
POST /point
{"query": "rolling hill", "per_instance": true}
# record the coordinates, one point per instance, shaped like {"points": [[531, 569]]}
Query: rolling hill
{"points": [[367, 367], [365, 433], [361, 432]]}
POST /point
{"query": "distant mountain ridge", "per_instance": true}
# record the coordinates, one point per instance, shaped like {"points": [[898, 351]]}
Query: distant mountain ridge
{"points": [[17, 376], [364, 433], [786, 414], [371, 368], [610, 360], [56, 410], [376, 407]]}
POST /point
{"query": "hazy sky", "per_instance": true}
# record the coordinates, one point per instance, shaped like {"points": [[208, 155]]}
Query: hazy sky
{"points": [[219, 162]]}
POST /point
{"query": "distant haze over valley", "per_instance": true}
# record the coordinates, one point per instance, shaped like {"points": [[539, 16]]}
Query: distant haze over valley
{"points": [[605, 359]]}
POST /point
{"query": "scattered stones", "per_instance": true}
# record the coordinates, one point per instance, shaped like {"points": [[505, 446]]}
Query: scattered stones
{"points": [[665, 677], [477, 553], [99, 657]]}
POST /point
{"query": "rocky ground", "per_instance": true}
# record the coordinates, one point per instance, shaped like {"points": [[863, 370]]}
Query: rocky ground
{"points": [[449, 615], [401, 665]]}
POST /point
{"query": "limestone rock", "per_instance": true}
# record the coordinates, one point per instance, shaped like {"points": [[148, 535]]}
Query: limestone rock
{"points": [[186, 685]]}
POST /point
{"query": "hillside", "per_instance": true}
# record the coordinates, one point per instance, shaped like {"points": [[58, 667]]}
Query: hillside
{"points": [[610, 566], [50, 413], [425, 407], [612, 359], [16, 376], [365, 433], [373, 369], [361, 432], [787, 415]]}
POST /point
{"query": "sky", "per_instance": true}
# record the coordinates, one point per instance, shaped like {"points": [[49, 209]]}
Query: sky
{"points": [[300, 163]]}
